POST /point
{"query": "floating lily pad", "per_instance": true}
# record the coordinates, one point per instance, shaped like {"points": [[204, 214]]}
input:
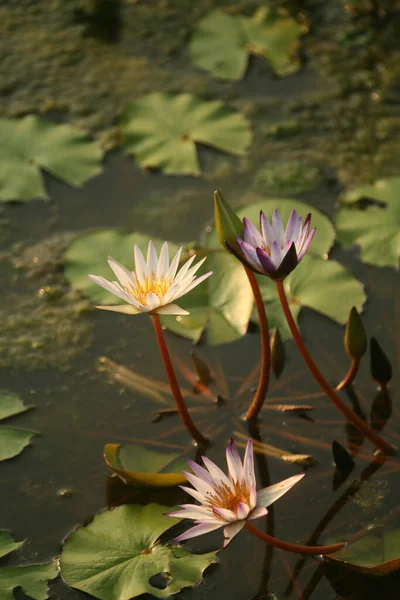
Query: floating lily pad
{"points": [[137, 465], [369, 217], [116, 556], [31, 578], [222, 43], [161, 131], [30, 144], [377, 553], [12, 441], [322, 285]]}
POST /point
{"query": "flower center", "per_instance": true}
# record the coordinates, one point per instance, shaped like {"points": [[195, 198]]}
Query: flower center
{"points": [[230, 498], [150, 285]]}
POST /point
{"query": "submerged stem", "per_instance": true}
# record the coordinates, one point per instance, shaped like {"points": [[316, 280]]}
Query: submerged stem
{"points": [[175, 389], [329, 391], [288, 547], [263, 383], [350, 375]]}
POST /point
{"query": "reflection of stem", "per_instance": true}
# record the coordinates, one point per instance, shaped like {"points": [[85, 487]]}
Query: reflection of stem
{"points": [[351, 373], [262, 388], [329, 391], [175, 389], [297, 549]]}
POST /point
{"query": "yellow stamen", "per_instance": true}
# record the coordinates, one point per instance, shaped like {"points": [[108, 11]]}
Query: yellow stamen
{"points": [[225, 497], [151, 284]]}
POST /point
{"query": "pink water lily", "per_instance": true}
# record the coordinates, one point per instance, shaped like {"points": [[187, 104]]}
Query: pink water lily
{"points": [[155, 284], [275, 251], [227, 501]]}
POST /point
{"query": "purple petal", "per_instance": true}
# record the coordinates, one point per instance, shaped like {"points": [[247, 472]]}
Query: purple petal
{"points": [[272, 493], [297, 229], [224, 513], [242, 511], [201, 486], [307, 243], [290, 226], [276, 254], [233, 461], [216, 473], [250, 254], [266, 229], [251, 234], [194, 493], [248, 465], [266, 263], [277, 227], [200, 471], [198, 530], [231, 530]]}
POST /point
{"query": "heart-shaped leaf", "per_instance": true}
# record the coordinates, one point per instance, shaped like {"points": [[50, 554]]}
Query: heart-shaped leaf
{"points": [[222, 43], [137, 465], [30, 144], [117, 555], [161, 131], [7, 543], [12, 441], [369, 216]]}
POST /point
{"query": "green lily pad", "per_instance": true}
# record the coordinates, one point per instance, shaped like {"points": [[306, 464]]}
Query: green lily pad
{"points": [[32, 579], [30, 144], [222, 43], [118, 553], [137, 465], [161, 131], [375, 227], [377, 553], [12, 441], [322, 285]]}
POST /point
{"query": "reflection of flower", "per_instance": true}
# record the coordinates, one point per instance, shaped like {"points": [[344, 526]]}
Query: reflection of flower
{"points": [[273, 251], [228, 501], [154, 286]]}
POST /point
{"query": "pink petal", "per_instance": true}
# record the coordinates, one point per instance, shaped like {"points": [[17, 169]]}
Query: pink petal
{"points": [[200, 471], [200, 485], [234, 463], [225, 513], [198, 530], [272, 493], [256, 513], [216, 473], [248, 465], [194, 493], [231, 530], [242, 511]]}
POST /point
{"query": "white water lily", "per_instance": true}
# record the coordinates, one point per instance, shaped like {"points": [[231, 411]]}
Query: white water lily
{"points": [[227, 501], [154, 285]]}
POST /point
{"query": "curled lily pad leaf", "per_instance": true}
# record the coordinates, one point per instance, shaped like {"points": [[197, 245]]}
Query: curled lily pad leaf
{"points": [[31, 578], [12, 440], [377, 553], [222, 43], [161, 131], [137, 465], [32, 143], [117, 556], [369, 217]]}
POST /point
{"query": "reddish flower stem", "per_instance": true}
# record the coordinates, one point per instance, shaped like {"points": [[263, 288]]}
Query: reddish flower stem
{"points": [[297, 549], [349, 378], [263, 383], [175, 389], [329, 391]]}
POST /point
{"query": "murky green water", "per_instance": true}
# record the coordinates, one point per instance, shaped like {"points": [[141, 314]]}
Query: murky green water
{"points": [[340, 115]]}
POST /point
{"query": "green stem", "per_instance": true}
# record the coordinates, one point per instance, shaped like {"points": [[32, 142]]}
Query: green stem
{"points": [[263, 383], [329, 391], [173, 383]]}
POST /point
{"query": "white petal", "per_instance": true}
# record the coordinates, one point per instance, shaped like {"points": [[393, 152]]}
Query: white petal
{"points": [[277, 227], [242, 510], [198, 530], [163, 262], [194, 493], [115, 289], [248, 465], [192, 285], [191, 511], [170, 294], [126, 309], [256, 513], [200, 471], [225, 513], [276, 254], [171, 309], [152, 260], [183, 271], [216, 473], [174, 264], [200, 485], [140, 264], [122, 273], [231, 530], [152, 300], [266, 230], [251, 235], [234, 463], [193, 270], [272, 493]]}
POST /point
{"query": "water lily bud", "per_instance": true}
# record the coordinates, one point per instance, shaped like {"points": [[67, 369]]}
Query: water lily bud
{"points": [[381, 369], [278, 353], [355, 337], [227, 224]]}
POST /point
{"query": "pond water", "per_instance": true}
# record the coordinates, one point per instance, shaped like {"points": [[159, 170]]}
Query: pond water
{"points": [[329, 115]]}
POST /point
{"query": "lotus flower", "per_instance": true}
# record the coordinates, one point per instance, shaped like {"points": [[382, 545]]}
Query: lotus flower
{"points": [[275, 251], [155, 284], [227, 501]]}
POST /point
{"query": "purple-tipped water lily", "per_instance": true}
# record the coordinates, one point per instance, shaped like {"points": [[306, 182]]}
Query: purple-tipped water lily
{"points": [[155, 285], [275, 251], [227, 501]]}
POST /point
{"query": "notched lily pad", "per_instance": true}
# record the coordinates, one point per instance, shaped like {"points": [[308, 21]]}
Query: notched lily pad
{"points": [[32, 143], [32, 579], [369, 217], [118, 555], [161, 131], [139, 466], [377, 554], [12, 440], [222, 43]]}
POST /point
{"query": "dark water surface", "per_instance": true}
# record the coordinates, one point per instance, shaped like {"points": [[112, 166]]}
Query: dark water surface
{"points": [[62, 480]]}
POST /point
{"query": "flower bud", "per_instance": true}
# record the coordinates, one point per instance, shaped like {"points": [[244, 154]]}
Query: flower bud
{"points": [[381, 369], [355, 337], [227, 224]]}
